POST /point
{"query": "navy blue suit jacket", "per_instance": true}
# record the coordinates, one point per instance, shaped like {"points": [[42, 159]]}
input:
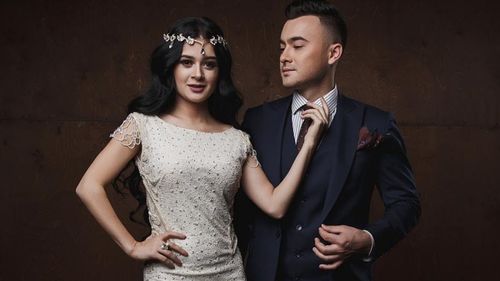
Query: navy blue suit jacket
{"points": [[353, 176]]}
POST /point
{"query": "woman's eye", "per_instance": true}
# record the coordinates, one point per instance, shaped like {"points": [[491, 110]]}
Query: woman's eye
{"points": [[297, 46], [186, 62], [210, 65]]}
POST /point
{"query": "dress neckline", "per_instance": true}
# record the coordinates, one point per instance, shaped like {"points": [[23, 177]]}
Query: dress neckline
{"points": [[192, 130]]}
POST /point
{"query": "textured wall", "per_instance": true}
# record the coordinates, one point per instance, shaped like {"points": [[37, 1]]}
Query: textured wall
{"points": [[70, 67]]}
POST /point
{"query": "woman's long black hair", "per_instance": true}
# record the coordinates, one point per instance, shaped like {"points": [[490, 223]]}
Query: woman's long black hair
{"points": [[223, 104]]}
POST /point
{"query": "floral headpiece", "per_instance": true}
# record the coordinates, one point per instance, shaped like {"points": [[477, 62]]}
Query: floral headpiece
{"points": [[171, 38]]}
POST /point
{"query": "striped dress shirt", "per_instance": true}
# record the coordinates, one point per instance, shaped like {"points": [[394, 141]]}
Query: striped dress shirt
{"points": [[298, 101]]}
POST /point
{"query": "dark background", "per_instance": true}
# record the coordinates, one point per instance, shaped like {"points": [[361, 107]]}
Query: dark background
{"points": [[68, 69]]}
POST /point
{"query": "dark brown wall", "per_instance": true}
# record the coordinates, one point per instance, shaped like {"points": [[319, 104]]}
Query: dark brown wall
{"points": [[70, 67]]}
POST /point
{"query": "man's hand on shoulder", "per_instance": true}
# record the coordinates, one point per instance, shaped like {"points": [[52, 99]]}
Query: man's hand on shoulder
{"points": [[342, 242]]}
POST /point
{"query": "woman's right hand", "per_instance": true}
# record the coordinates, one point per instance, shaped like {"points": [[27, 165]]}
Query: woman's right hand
{"points": [[153, 248], [320, 116]]}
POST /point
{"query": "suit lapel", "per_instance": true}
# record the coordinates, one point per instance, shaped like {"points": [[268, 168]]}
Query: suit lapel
{"points": [[288, 146], [280, 110], [343, 139]]}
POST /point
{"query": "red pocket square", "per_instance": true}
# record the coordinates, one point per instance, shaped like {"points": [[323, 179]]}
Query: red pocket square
{"points": [[368, 139]]}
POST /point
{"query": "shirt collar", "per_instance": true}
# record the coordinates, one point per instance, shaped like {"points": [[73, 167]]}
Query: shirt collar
{"points": [[331, 100]]}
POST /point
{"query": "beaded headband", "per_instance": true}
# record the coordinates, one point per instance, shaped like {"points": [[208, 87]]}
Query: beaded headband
{"points": [[190, 40]]}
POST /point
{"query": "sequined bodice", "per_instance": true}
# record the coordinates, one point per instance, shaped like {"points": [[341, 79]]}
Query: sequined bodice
{"points": [[191, 179]]}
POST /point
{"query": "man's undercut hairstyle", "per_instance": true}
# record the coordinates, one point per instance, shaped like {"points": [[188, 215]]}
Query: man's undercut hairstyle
{"points": [[328, 15]]}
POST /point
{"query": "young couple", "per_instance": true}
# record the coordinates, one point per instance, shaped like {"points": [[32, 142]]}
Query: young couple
{"points": [[305, 200]]}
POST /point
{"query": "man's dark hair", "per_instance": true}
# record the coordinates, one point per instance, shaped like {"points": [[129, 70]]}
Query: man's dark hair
{"points": [[328, 15]]}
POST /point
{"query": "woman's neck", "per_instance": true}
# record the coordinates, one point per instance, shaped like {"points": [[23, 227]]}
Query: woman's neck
{"points": [[191, 113]]}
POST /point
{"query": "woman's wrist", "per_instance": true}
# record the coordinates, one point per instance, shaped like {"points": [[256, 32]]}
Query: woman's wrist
{"points": [[307, 146], [128, 248]]}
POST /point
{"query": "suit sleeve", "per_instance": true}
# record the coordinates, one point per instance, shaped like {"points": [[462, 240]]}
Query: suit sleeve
{"points": [[396, 185]]}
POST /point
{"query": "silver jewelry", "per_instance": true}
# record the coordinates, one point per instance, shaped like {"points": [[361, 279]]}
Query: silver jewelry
{"points": [[165, 246], [218, 40], [253, 154], [171, 38]]}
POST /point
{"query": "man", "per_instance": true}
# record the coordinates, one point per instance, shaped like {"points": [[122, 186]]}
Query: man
{"points": [[326, 234]]}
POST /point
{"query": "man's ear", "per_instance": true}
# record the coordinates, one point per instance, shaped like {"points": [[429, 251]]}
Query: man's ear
{"points": [[335, 51]]}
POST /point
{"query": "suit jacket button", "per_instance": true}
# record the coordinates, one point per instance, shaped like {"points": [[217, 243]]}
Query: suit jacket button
{"points": [[298, 227], [278, 234]]}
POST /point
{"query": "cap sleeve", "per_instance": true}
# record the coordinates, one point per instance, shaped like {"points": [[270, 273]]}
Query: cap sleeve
{"points": [[251, 154], [128, 133]]}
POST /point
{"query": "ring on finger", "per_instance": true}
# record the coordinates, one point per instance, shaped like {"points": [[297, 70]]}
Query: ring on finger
{"points": [[165, 246]]}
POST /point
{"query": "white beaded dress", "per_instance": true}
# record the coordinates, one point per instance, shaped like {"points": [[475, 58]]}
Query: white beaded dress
{"points": [[191, 179]]}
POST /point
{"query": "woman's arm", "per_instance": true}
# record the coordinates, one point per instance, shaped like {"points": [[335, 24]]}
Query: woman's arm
{"points": [[275, 201], [107, 166]]}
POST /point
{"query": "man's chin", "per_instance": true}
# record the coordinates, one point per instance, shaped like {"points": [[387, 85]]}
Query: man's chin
{"points": [[288, 84]]}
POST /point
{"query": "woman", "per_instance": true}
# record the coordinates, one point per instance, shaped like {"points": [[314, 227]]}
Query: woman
{"points": [[191, 160]]}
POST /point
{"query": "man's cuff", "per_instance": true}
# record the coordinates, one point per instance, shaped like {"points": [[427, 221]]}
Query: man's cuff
{"points": [[369, 258]]}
